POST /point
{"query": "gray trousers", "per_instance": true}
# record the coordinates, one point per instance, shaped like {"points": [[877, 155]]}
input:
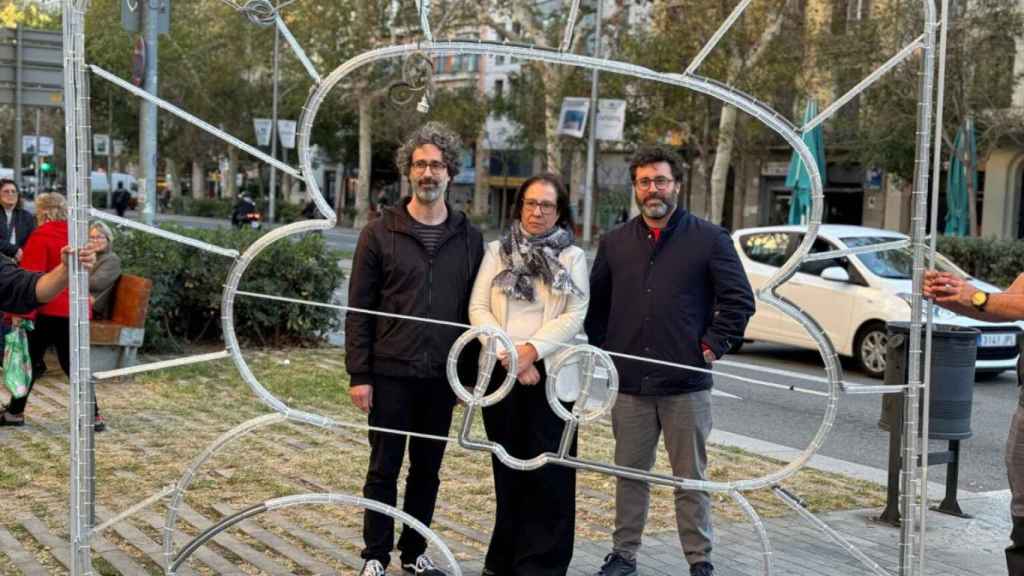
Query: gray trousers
{"points": [[685, 421]]}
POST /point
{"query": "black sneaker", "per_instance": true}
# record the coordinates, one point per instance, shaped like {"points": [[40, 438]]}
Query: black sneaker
{"points": [[8, 419], [616, 565], [702, 569], [423, 566], [99, 424]]}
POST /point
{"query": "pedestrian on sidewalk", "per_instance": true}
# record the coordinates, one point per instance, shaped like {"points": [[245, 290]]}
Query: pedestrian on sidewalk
{"points": [[419, 259], [532, 285], [955, 293], [665, 285], [121, 199]]}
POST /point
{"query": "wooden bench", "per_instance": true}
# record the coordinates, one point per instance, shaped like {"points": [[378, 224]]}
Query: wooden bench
{"points": [[115, 342]]}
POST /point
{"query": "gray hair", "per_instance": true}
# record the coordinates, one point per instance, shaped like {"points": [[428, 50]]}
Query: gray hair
{"points": [[436, 133], [106, 231]]}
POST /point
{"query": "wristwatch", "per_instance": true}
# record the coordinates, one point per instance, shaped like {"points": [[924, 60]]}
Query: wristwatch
{"points": [[979, 300]]}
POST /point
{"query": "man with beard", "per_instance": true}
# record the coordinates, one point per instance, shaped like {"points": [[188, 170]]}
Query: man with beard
{"points": [[418, 259], [668, 286]]}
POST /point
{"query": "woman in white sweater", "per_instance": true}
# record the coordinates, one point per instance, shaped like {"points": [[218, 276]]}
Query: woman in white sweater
{"points": [[533, 284]]}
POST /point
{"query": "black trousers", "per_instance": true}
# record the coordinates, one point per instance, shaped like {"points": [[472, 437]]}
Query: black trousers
{"points": [[423, 406], [49, 331], [535, 521]]}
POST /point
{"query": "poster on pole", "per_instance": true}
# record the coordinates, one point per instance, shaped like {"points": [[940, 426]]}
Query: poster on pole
{"points": [[117, 148], [100, 144], [286, 128], [262, 127], [45, 146], [29, 145], [611, 119], [573, 119]]}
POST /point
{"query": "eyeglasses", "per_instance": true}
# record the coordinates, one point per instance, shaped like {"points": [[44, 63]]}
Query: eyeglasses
{"points": [[660, 182], [97, 237], [9, 191], [434, 165], [546, 208]]}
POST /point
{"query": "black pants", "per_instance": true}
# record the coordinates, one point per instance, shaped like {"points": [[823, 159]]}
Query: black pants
{"points": [[535, 519], [423, 406], [49, 331]]}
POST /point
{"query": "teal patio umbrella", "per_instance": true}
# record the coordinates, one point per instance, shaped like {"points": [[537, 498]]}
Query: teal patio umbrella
{"points": [[797, 178], [957, 198]]}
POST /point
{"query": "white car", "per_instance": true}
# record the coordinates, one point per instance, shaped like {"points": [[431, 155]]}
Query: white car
{"points": [[853, 297]]}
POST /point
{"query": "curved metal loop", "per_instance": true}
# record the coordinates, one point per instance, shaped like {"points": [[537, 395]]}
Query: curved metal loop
{"points": [[260, 12], [316, 498], [589, 357], [186, 478], [490, 336]]}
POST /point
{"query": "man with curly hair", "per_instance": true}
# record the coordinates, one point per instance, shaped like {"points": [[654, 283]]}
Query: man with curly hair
{"points": [[418, 259]]}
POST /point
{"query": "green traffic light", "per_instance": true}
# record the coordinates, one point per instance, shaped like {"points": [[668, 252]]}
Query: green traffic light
{"points": [[46, 167]]}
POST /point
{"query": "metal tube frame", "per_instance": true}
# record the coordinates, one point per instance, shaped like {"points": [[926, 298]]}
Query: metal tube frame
{"points": [[77, 137]]}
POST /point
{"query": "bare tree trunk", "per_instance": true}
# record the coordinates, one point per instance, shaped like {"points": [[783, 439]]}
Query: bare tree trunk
{"points": [[723, 157], [365, 166], [174, 177], [481, 188], [552, 107], [231, 189], [198, 180]]}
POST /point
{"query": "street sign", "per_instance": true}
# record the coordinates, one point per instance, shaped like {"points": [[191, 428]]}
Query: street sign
{"points": [[131, 15], [286, 128], [138, 61], [262, 127], [42, 67], [573, 119], [611, 119], [43, 148], [100, 144]]}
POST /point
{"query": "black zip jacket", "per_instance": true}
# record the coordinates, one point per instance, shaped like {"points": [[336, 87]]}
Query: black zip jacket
{"points": [[23, 223], [663, 300], [17, 288], [392, 272]]}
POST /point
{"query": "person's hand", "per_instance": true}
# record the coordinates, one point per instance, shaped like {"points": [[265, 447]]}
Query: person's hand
{"points": [[526, 355], [947, 288], [709, 356], [18, 255], [362, 396], [86, 256], [530, 376]]}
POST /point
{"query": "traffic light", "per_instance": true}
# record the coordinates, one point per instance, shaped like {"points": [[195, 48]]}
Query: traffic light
{"points": [[45, 167]]}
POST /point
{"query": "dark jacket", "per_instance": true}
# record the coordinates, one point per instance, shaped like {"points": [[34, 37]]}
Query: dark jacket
{"points": [[662, 301], [23, 222], [17, 288], [392, 272]]}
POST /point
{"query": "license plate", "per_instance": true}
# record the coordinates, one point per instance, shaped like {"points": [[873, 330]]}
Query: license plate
{"points": [[997, 340]]}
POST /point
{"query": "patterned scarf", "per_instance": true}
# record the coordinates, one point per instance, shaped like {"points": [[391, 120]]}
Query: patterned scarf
{"points": [[527, 258]]}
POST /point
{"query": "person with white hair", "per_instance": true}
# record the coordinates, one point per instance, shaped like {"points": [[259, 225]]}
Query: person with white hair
{"points": [[105, 273]]}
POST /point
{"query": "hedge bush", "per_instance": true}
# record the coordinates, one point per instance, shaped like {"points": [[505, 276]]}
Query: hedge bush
{"points": [[185, 305], [286, 212], [995, 261]]}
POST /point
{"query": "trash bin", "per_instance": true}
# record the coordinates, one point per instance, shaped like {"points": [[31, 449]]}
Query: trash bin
{"points": [[954, 352]]}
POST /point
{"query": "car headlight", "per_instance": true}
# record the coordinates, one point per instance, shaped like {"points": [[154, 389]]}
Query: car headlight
{"points": [[940, 312]]}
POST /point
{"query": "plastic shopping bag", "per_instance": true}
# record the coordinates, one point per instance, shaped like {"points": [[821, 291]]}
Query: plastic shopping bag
{"points": [[17, 363]]}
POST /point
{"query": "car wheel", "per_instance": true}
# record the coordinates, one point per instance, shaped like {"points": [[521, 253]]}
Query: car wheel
{"points": [[869, 349]]}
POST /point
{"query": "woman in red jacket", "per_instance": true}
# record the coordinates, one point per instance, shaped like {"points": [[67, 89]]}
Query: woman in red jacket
{"points": [[42, 253]]}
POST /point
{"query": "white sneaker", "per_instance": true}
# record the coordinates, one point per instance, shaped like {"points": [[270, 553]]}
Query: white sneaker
{"points": [[424, 566], [372, 568]]}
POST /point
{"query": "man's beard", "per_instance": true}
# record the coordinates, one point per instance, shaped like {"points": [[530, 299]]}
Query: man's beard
{"points": [[654, 209], [429, 189]]}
